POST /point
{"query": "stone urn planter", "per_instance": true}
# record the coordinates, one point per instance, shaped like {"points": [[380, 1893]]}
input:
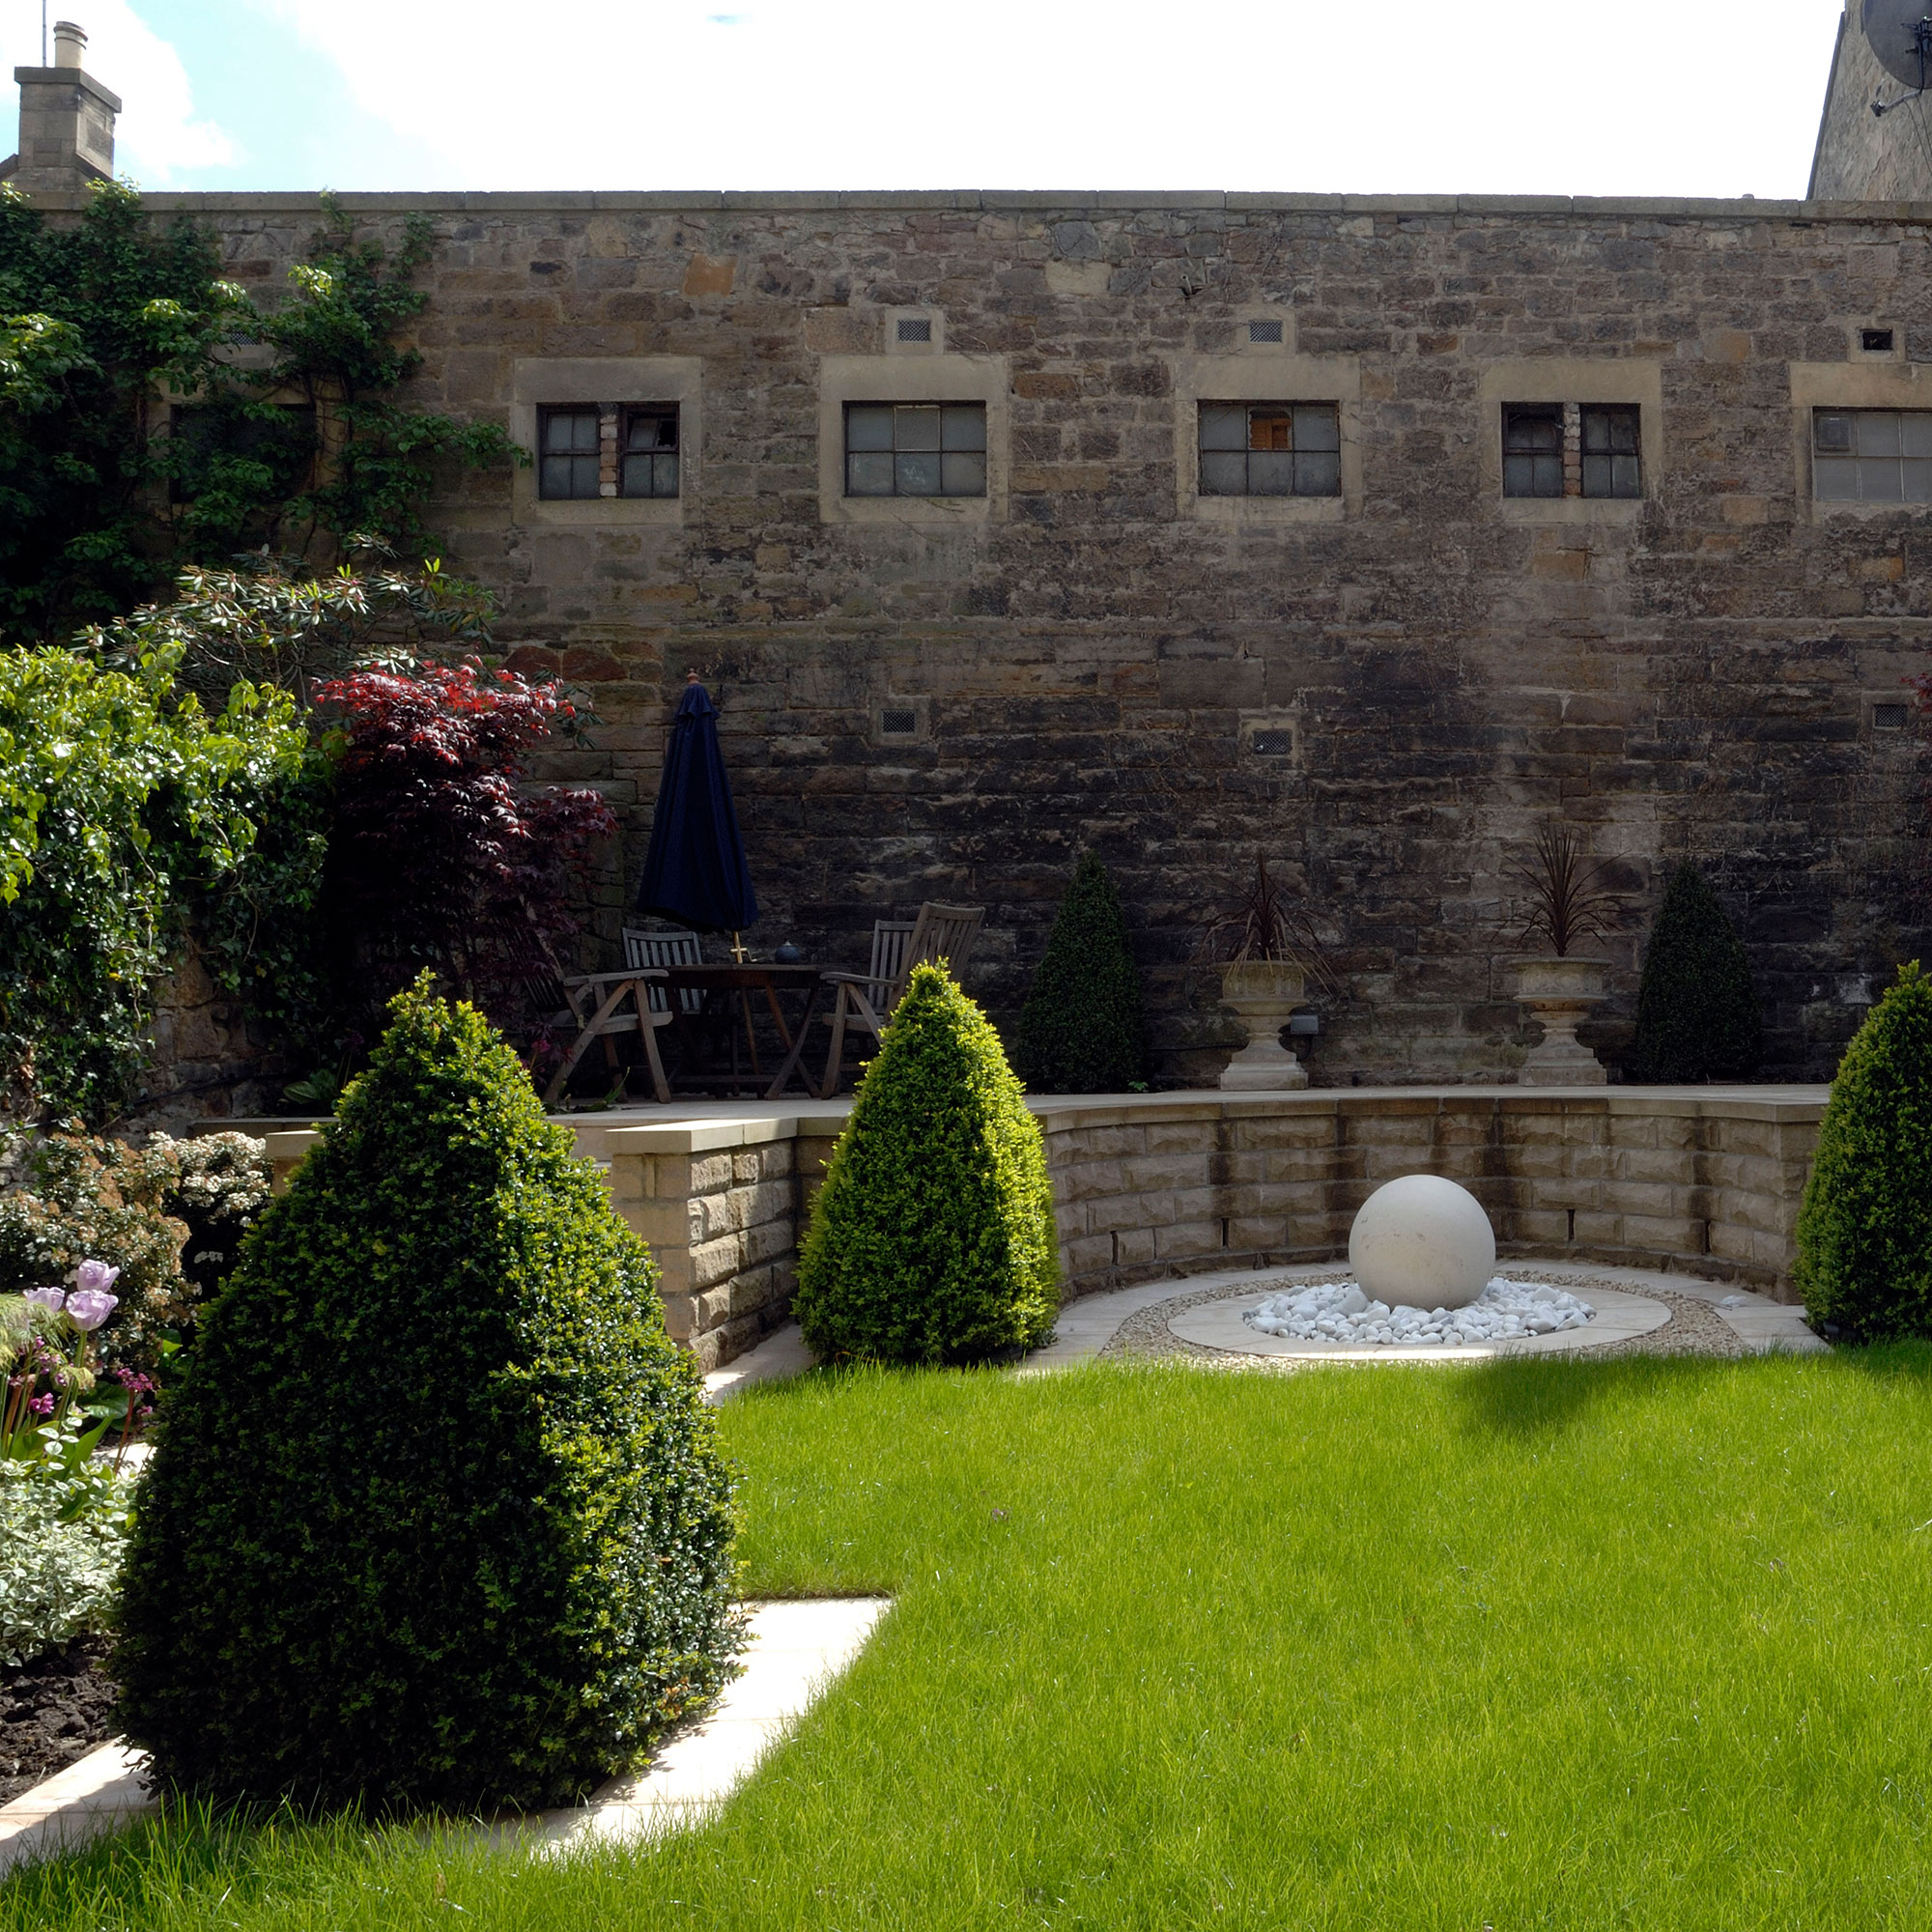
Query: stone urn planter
{"points": [[1264, 992], [1560, 992]]}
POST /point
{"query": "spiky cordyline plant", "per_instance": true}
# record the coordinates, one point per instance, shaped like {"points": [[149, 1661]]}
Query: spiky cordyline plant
{"points": [[1569, 901], [1260, 928]]}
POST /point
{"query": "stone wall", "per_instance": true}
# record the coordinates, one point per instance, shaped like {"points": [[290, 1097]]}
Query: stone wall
{"points": [[1155, 1186], [1386, 692], [1863, 155]]}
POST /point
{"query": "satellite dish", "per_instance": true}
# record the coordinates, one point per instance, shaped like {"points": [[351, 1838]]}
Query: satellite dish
{"points": [[1900, 34]]}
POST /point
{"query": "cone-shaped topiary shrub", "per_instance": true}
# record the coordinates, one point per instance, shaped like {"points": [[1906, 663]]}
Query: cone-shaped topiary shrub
{"points": [[1864, 1233], [933, 1239], [436, 1517], [1082, 1029], [1698, 1013]]}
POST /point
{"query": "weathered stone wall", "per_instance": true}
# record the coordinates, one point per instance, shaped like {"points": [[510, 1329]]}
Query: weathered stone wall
{"points": [[1089, 654], [1863, 155]]}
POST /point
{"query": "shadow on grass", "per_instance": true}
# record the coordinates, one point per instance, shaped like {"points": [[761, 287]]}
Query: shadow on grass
{"points": [[1531, 1397], [1888, 1361]]}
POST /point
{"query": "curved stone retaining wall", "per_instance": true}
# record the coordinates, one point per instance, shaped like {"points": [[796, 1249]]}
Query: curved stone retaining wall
{"points": [[1702, 1179]]}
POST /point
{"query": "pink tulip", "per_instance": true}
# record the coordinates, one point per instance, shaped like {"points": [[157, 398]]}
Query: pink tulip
{"points": [[87, 1308], [50, 1298], [96, 1276]]}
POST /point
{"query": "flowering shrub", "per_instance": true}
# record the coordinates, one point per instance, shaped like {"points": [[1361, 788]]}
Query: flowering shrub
{"points": [[221, 1182], [439, 856], [83, 1198], [64, 1514]]}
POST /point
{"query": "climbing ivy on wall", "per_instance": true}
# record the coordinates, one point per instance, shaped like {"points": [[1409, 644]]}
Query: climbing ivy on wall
{"points": [[153, 414]]}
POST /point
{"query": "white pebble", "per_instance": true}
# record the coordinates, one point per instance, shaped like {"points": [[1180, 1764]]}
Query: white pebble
{"points": [[1340, 1311]]}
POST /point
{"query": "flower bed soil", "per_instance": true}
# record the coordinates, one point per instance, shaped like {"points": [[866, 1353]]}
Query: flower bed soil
{"points": [[54, 1709]]}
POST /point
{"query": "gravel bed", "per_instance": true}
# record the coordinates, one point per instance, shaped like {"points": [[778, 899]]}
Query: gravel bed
{"points": [[1694, 1327], [54, 1709]]}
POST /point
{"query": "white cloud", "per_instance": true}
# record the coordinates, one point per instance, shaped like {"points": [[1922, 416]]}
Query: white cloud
{"points": [[158, 133], [1653, 97]]}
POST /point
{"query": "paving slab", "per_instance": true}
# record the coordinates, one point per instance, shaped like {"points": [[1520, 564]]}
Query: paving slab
{"points": [[780, 1353], [797, 1649]]}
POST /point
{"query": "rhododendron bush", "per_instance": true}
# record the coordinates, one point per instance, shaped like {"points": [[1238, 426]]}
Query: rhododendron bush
{"points": [[441, 853]]}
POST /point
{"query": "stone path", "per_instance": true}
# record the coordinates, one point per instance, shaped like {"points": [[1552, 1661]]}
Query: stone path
{"points": [[796, 1651]]}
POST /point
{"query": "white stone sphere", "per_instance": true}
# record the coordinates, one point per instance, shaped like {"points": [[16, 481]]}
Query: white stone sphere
{"points": [[1422, 1242]]}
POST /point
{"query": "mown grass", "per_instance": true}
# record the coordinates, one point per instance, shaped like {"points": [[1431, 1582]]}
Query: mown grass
{"points": [[1631, 1643]]}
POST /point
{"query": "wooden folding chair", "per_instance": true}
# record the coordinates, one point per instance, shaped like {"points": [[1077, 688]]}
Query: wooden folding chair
{"points": [[672, 947], [866, 999], [594, 1004]]}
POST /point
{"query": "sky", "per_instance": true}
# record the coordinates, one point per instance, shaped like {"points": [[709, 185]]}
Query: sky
{"points": [[1521, 97]]}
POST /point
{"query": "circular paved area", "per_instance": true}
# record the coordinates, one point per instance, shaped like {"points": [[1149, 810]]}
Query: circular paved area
{"points": [[1638, 1312]]}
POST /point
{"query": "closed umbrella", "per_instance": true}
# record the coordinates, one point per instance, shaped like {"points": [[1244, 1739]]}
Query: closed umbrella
{"points": [[694, 872]]}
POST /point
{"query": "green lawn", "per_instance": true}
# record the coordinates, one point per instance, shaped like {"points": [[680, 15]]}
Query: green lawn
{"points": [[1633, 1643]]}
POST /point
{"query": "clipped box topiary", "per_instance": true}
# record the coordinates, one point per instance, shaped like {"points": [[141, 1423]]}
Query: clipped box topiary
{"points": [[436, 1519], [1697, 1012], [1082, 1029], [1865, 1232], [933, 1239]]}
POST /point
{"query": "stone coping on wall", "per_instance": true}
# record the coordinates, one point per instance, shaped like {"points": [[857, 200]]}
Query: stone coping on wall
{"points": [[971, 200]]}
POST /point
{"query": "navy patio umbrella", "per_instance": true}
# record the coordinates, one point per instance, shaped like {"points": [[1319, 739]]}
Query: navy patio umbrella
{"points": [[695, 872]]}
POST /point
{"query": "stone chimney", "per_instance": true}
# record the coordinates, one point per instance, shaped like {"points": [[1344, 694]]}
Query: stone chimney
{"points": [[66, 121]]}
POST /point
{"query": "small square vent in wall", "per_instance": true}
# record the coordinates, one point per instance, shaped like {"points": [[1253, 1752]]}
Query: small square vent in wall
{"points": [[1274, 744], [915, 329], [1264, 332], [898, 723], [1876, 341], [1890, 717]]}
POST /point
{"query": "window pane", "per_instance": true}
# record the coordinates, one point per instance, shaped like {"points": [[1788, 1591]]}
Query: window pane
{"points": [[1836, 479], [1271, 474], [869, 474], [919, 473], [1597, 476], [1879, 480], [1222, 427], [962, 473], [1596, 430], [964, 428], [1914, 433], [1317, 472], [1918, 471], [1831, 430], [666, 463], [868, 427], [1532, 429], [652, 431], [1626, 476], [567, 430], [1623, 431], [1269, 429], [1548, 476], [554, 476], [1878, 432], [636, 478], [916, 429], [1318, 426], [1224, 473]]}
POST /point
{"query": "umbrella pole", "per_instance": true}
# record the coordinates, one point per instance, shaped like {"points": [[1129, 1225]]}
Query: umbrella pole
{"points": [[738, 948]]}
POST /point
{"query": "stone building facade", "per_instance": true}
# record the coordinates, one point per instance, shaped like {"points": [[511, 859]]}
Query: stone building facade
{"points": [[1385, 686]]}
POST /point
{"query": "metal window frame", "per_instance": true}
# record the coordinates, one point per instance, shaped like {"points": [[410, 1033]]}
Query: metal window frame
{"points": [[1853, 455], [547, 413], [942, 493], [627, 414], [1633, 413], [1273, 408], [1542, 412]]}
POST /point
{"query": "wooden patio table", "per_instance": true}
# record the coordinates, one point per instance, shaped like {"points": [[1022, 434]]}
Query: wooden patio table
{"points": [[740, 984]]}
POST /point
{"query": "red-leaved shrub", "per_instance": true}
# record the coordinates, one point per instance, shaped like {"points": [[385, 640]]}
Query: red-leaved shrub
{"points": [[440, 855]]}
